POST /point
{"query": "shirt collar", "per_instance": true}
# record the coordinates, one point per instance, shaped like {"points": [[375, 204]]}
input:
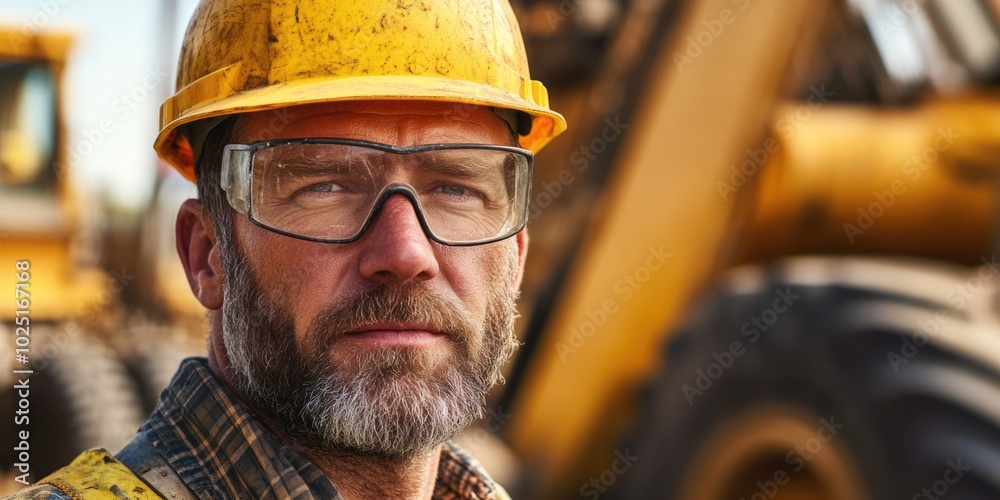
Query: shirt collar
{"points": [[221, 450]]}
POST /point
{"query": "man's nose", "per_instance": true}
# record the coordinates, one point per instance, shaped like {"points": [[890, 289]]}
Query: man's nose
{"points": [[395, 246]]}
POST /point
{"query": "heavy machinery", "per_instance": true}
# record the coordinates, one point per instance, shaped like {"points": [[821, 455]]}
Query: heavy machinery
{"points": [[782, 284], [762, 259], [63, 388]]}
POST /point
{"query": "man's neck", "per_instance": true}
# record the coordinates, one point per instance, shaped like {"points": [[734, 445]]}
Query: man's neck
{"points": [[366, 477]]}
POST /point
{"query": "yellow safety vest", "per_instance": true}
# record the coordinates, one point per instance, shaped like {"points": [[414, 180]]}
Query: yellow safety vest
{"points": [[95, 474]]}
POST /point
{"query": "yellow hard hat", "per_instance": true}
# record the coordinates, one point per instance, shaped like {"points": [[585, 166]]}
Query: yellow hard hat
{"points": [[250, 55]]}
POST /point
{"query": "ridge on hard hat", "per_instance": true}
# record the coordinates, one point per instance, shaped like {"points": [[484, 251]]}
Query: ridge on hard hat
{"points": [[250, 55]]}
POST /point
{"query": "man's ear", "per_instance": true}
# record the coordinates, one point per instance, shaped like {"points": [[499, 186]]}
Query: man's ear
{"points": [[522, 254], [198, 249]]}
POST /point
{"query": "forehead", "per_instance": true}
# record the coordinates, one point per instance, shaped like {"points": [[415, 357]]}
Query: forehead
{"points": [[402, 123]]}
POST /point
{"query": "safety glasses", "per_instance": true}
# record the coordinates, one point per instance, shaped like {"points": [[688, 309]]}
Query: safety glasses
{"points": [[331, 190]]}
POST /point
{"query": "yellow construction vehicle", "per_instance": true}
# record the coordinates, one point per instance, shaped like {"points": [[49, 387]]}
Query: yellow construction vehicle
{"points": [[62, 387], [762, 257], [39, 221]]}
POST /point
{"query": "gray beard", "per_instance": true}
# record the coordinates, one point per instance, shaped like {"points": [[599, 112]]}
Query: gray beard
{"points": [[393, 402]]}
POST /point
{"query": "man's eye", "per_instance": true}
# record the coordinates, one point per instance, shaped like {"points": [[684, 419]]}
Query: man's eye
{"points": [[452, 190], [323, 187]]}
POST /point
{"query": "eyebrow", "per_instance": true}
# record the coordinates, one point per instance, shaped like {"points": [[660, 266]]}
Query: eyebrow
{"points": [[466, 167], [302, 165]]}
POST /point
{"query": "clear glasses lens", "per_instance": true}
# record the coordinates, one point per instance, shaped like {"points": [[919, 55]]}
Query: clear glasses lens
{"points": [[329, 191]]}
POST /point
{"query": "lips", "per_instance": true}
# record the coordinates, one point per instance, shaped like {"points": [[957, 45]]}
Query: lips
{"points": [[396, 334]]}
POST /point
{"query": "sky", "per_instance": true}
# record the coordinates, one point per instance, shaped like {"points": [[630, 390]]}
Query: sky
{"points": [[119, 72]]}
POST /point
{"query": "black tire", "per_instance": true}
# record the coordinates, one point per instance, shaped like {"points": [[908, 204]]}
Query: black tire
{"points": [[81, 398], [901, 422], [153, 365]]}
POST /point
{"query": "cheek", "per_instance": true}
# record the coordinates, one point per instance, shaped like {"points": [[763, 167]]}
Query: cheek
{"points": [[301, 277], [314, 281], [474, 273]]}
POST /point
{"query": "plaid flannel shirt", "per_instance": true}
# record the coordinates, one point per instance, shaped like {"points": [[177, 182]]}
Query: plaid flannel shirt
{"points": [[218, 449]]}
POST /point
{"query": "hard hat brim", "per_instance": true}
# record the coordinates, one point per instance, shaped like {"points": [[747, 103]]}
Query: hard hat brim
{"points": [[546, 123]]}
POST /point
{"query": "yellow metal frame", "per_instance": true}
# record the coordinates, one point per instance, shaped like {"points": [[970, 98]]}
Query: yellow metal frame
{"points": [[605, 334]]}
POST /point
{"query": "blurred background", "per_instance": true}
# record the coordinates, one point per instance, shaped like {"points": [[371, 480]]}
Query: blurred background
{"points": [[763, 258]]}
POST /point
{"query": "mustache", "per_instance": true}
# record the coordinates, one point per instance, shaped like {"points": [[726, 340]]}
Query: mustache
{"points": [[407, 303]]}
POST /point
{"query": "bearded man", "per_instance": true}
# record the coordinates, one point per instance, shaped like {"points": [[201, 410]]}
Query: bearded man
{"points": [[363, 173]]}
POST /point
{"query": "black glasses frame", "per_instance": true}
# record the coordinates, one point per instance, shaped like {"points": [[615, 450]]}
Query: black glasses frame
{"points": [[237, 175]]}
